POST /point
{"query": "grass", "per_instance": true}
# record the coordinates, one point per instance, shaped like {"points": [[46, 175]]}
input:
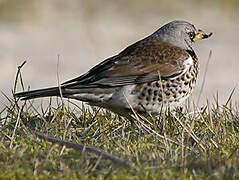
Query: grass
{"points": [[69, 141]]}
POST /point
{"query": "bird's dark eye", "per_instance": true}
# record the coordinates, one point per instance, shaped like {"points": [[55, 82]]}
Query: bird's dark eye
{"points": [[191, 34]]}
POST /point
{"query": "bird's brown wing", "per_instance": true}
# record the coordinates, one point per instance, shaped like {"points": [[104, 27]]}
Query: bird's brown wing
{"points": [[147, 60]]}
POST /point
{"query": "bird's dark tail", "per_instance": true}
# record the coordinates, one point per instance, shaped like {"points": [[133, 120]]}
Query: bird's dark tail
{"points": [[54, 91]]}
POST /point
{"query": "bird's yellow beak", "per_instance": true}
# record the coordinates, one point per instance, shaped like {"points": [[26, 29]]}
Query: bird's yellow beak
{"points": [[201, 35]]}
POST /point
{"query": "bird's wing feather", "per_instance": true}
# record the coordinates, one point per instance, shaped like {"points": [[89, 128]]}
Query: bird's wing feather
{"points": [[145, 61]]}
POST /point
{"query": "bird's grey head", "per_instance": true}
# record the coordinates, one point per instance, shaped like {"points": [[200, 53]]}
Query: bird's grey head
{"points": [[180, 33]]}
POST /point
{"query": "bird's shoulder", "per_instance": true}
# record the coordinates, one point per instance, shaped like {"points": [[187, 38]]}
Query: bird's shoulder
{"points": [[151, 51]]}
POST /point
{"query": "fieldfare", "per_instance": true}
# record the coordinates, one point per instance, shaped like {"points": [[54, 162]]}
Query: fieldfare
{"points": [[160, 69]]}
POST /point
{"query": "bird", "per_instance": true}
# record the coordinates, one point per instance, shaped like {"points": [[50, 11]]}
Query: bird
{"points": [[159, 70]]}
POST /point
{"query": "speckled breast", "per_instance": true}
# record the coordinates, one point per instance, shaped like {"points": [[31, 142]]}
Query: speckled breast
{"points": [[171, 92]]}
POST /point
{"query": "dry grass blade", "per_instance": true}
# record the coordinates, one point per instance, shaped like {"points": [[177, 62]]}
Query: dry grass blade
{"points": [[196, 139], [19, 73], [15, 128], [204, 76], [230, 96], [157, 134]]}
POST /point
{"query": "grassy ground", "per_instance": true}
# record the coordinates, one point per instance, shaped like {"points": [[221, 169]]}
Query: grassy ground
{"points": [[70, 141]]}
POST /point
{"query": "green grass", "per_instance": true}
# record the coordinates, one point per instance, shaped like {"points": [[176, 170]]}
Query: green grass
{"points": [[176, 145], [69, 141]]}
